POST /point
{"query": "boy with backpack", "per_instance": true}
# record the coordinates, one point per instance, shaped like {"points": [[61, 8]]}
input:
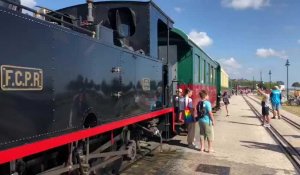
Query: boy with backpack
{"points": [[206, 121]]}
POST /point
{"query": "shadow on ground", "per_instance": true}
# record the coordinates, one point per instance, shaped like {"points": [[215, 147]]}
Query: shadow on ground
{"points": [[177, 143], [241, 123], [295, 136], [249, 116], [258, 145]]}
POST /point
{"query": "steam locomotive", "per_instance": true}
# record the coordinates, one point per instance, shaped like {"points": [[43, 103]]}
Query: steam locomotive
{"points": [[81, 86]]}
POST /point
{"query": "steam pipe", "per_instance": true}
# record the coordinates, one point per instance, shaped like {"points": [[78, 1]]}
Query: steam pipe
{"points": [[90, 17]]}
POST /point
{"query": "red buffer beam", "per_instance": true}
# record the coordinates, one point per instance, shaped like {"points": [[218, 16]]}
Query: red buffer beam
{"points": [[40, 146]]}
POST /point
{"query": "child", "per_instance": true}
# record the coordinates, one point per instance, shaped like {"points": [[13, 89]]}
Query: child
{"points": [[180, 100], [265, 103], [206, 123], [226, 101]]}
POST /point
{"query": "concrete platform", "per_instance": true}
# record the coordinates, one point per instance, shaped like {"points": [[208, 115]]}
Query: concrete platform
{"points": [[242, 146], [289, 132], [285, 113]]}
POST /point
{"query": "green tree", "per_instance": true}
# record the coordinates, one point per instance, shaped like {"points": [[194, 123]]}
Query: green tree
{"points": [[296, 85], [280, 82]]}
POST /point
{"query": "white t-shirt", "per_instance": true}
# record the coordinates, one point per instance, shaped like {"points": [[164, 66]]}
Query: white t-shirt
{"points": [[188, 102], [266, 99]]}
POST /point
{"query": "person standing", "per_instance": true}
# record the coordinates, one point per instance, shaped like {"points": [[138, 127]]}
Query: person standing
{"points": [[226, 102], [206, 122], [265, 103], [275, 97], [180, 102], [219, 100], [189, 117]]}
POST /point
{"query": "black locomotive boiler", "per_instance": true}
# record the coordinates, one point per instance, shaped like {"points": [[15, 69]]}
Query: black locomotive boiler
{"points": [[81, 84]]}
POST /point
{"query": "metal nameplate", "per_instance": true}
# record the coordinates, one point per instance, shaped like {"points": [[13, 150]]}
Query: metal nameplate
{"points": [[15, 78], [146, 84]]}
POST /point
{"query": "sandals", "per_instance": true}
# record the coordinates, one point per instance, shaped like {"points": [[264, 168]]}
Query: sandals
{"points": [[211, 151]]}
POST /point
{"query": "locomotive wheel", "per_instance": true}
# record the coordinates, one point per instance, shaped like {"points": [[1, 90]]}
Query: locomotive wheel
{"points": [[112, 168], [131, 156]]}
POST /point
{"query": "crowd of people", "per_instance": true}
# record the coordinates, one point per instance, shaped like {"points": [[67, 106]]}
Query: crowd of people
{"points": [[272, 99], [202, 115]]}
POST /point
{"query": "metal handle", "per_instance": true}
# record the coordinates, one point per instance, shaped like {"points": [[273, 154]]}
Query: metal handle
{"points": [[116, 70], [117, 94]]}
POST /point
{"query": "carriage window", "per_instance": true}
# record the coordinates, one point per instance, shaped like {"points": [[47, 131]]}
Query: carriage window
{"points": [[212, 76], [204, 71], [162, 38], [208, 74], [201, 70], [197, 69], [123, 30]]}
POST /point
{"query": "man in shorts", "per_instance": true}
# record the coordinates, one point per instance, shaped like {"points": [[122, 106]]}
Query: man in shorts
{"points": [[206, 123], [275, 97]]}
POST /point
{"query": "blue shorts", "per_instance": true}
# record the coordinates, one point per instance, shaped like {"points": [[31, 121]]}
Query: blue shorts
{"points": [[276, 106]]}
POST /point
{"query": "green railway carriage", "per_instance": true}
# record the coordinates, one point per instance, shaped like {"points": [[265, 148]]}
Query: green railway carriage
{"points": [[194, 69]]}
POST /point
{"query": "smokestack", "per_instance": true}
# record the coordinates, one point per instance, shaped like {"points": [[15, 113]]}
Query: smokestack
{"points": [[90, 17]]}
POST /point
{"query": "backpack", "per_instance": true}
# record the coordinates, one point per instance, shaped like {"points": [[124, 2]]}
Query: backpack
{"points": [[201, 110]]}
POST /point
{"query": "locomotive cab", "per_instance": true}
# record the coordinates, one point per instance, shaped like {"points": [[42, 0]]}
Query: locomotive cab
{"points": [[136, 25], [122, 21]]}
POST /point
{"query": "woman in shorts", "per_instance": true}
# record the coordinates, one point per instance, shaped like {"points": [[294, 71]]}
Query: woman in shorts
{"points": [[226, 101]]}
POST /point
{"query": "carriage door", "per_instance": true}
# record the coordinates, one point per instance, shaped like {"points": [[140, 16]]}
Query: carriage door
{"points": [[170, 69]]}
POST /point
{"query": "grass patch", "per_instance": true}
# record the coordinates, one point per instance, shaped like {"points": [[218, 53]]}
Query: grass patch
{"points": [[292, 109]]}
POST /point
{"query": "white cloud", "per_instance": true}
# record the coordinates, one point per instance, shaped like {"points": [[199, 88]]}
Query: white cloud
{"points": [[245, 4], [178, 9], [249, 70], [230, 63], [200, 38], [265, 53], [235, 69], [29, 3]]}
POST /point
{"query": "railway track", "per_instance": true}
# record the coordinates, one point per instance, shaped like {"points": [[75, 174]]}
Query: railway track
{"points": [[292, 154], [286, 119]]}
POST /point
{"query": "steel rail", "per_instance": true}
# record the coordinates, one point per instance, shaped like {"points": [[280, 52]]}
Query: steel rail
{"points": [[291, 153], [286, 119]]}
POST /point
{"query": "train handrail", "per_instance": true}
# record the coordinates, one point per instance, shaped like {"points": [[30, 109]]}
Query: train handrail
{"points": [[51, 17], [58, 13]]}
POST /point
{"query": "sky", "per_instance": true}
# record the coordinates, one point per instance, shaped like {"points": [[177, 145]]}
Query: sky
{"points": [[245, 36]]}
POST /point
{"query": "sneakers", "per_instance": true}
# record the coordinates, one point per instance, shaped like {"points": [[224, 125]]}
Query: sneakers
{"points": [[267, 125], [191, 146], [279, 117]]}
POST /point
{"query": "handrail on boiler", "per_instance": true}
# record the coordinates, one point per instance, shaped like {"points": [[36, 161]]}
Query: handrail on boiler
{"points": [[51, 17]]}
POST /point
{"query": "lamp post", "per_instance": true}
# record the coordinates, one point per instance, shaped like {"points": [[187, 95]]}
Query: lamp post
{"points": [[270, 73], [253, 84], [261, 83], [287, 64]]}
